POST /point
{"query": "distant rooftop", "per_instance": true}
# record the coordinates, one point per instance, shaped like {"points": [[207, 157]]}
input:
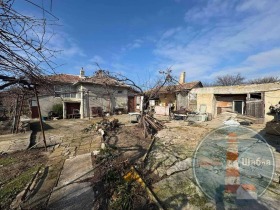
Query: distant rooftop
{"points": [[179, 87], [65, 78], [99, 78]]}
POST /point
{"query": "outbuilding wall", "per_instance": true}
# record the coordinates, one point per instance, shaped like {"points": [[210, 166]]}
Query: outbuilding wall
{"points": [[270, 98], [182, 100], [206, 95], [207, 99], [166, 98]]}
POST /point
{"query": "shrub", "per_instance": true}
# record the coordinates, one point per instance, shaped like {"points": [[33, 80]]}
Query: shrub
{"points": [[58, 109]]}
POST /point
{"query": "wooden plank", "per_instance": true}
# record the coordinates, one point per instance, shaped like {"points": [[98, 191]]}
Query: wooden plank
{"points": [[255, 108]]}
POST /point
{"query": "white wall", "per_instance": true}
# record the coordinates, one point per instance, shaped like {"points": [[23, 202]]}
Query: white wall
{"points": [[106, 97], [47, 102], [90, 96]]}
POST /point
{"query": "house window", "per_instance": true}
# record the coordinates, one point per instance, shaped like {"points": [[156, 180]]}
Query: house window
{"points": [[255, 96], [65, 91], [34, 102], [120, 91]]}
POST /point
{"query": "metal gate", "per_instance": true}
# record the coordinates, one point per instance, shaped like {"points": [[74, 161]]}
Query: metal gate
{"points": [[255, 108]]}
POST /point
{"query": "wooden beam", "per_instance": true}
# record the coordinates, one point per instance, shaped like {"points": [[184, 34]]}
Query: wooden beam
{"points": [[40, 117]]}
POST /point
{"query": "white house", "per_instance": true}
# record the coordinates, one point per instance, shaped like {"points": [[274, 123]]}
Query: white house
{"points": [[83, 96]]}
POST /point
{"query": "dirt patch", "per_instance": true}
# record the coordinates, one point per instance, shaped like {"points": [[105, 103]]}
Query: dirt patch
{"points": [[16, 170], [124, 147]]}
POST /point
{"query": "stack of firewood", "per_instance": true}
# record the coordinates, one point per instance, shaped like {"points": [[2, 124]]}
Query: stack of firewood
{"points": [[151, 125]]}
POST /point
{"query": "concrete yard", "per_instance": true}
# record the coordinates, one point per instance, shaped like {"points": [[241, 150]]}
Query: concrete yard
{"points": [[69, 177], [14, 142]]}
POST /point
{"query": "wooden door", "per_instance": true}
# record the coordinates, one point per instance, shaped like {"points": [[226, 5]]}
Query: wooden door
{"points": [[255, 108], [131, 104], [34, 112]]}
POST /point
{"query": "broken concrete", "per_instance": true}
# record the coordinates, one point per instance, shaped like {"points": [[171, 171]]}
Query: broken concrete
{"points": [[180, 166], [170, 159], [179, 192]]}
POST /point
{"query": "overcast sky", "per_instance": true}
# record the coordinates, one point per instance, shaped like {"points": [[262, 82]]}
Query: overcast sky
{"points": [[140, 37]]}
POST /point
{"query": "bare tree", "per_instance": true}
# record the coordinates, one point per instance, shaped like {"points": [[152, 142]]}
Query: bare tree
{"points": [[269, 79], [166, 79], [24, 55], [148, 123], [229, 80], [208, 84]]}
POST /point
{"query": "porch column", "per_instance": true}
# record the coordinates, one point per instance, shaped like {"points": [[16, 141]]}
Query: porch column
{"points": [[82, 104], [64, 109]]}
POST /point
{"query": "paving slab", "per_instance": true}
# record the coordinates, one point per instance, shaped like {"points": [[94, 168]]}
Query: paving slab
{"points": [[73, 196], [71, 192], [75, 169]]}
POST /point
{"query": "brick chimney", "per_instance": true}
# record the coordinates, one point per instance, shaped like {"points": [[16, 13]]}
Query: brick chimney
{"points": [[182, 78], [82, 73]]}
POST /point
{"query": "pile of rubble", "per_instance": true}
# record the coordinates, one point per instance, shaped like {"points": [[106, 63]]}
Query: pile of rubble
{"points": [[105, 125], [115, 179]]}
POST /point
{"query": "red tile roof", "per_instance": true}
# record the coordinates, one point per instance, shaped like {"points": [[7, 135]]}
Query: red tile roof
{"points": [[102, 80], [180, 87], [99, 79], [65, 78]]}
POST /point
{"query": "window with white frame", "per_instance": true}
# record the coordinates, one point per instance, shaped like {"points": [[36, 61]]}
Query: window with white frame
{"points": [[65, 91]]}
